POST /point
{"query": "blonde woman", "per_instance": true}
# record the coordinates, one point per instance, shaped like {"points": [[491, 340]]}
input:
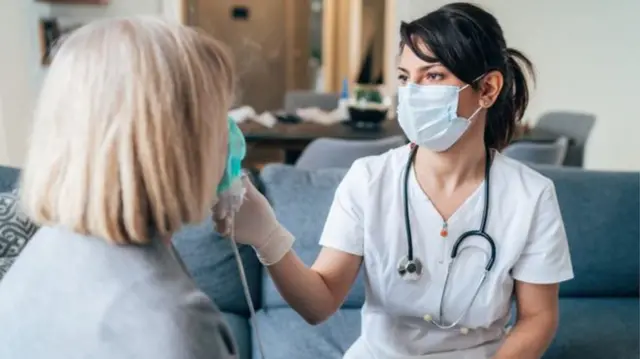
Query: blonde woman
{"points": [[128, 144]]}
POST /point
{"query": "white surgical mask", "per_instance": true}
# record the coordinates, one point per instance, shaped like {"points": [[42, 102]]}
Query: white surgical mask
{"points": [[428, 115]]}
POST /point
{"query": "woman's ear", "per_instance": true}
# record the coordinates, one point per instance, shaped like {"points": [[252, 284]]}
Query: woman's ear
{"points": [[490, 89]]}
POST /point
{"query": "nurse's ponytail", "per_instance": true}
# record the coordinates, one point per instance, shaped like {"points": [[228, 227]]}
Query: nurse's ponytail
{"points": [[505, 114]]}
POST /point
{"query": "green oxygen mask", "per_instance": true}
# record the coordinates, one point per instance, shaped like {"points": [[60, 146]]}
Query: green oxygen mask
{"points": [[236, 153]]}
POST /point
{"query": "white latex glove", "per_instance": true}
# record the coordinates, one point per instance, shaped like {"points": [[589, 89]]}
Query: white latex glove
{"points": [[255, 224]]}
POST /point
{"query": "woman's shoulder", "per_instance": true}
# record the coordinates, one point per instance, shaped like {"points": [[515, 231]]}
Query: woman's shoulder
{"points": [[517, 177], [138, 299], [177, 319]]}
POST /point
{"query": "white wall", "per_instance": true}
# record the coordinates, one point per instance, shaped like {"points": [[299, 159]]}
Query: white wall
{"points": [[20, 71], [587, 55], [20, 74], [4, 154], [118, 8]]}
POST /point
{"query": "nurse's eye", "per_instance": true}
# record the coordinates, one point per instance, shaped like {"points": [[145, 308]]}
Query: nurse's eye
{"points": [[434, 76], [402, 79]]}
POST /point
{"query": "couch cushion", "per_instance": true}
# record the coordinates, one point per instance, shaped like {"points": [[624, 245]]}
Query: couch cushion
{"points": [[5, 264], [589, 329], [597, 328], [286, 335], [8, 178], [211, 262], [601, 211], [301, 200], [241, 331]]}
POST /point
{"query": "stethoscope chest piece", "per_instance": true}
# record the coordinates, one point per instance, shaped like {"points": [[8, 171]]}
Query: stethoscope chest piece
{"points": [[410, 270]]}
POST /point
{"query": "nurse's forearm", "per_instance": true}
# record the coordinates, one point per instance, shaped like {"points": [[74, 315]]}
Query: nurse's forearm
{"points": [[529, 338], [303, 288]]}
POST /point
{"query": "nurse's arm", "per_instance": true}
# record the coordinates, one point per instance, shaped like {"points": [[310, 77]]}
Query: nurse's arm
{"points": [[317, 292], [537, 320]]}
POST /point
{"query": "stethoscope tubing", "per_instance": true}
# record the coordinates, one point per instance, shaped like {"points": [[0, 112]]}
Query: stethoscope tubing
{"points": [[481, 232]]}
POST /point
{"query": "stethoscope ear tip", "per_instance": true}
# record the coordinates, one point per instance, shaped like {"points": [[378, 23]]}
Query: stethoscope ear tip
{"points": [[429, 318]]}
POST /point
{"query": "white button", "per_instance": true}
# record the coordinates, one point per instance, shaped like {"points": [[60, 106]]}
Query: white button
{"points": [[464, 331]]}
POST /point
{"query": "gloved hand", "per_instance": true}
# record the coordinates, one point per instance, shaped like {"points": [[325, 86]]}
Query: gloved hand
{"points": [[255, 224]]}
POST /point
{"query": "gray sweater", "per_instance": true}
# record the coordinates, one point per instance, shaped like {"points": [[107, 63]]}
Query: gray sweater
{"points": [[69, 297]]}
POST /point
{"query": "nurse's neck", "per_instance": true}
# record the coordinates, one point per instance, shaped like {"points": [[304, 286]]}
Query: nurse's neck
{"points": [[461, 165]]}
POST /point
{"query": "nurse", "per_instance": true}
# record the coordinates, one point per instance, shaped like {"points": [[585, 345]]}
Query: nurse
{"points": [[462, 92]]}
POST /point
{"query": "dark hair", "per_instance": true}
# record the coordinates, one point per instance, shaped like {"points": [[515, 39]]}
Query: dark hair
{"points": [[469, 42]]}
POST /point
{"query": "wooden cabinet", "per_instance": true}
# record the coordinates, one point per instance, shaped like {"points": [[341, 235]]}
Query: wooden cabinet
{"points": [[270, 42]]}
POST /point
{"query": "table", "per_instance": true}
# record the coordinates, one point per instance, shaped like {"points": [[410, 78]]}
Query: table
{"points": [[293, 138]]}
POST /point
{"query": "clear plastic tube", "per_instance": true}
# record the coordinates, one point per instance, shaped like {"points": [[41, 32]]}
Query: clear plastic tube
{"points": [[229, 204], [245, 287]]}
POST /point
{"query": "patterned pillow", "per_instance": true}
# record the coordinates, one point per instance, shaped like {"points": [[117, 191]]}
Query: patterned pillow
{"points": [[15, 230], [5, 264]]}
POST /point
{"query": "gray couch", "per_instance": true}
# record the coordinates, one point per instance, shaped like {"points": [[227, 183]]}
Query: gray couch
{"points": [[599, 308]]}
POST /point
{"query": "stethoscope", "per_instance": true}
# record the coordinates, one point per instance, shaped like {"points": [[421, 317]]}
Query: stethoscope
{"points": [[410, 268]]}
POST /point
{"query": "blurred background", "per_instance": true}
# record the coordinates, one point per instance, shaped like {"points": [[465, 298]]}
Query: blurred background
{"points": [[325, 70]]}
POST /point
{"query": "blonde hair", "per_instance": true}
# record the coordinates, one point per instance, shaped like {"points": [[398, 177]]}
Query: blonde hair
{"points": [[130, 134]]}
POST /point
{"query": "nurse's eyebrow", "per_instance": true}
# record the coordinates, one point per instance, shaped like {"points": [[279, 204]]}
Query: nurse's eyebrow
{"points": [[422, 68]]}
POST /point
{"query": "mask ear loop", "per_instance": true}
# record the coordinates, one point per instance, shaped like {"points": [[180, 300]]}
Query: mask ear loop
{"points": [[469, 84], [481, 105], [475, 113]]}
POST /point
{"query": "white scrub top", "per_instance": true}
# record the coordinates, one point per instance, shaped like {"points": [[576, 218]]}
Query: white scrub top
{"points": [[367, 219]]}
